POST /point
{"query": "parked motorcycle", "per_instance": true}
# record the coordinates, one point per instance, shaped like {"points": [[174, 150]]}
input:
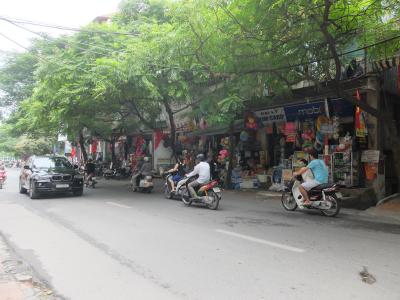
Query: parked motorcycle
{"points": [[146, 184], [209, 194], [325, 198], [109, 173]]}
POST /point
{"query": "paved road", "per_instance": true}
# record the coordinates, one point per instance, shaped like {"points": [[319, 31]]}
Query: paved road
{"points": [[113, 244]]}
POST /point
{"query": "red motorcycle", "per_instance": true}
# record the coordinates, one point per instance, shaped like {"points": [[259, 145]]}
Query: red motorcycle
{"points": [[3, 177]]}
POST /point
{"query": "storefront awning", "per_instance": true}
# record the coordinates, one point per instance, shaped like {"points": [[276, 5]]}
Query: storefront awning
{"points": [[219, 129]]}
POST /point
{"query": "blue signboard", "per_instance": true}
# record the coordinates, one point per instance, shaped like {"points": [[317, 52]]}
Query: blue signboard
{"points": [[337, 107]]}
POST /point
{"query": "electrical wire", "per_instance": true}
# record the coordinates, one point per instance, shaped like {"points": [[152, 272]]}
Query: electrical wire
{"points": [[261, 70], [66, 28], [92, 45]]}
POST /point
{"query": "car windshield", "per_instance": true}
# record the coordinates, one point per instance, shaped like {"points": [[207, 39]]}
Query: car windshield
{"points": [[51, 162]]}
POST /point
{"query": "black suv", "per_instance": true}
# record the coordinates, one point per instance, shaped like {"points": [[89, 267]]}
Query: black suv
{"points": [[49, 174]]}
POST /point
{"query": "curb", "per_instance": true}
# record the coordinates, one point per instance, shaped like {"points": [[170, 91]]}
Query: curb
{"points": [[18, 280]]}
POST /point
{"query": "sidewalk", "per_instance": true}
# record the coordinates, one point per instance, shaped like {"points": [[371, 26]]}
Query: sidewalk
{"points": [[17, 280]]}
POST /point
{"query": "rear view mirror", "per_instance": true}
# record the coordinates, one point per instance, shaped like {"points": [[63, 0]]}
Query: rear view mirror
{"points": [[76, 167]]}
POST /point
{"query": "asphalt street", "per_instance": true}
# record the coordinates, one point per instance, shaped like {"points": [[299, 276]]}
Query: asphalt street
{"points": [[112, 243]]}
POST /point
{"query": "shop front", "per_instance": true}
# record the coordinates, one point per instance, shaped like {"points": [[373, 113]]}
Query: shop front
{"points": [[274, 142]]}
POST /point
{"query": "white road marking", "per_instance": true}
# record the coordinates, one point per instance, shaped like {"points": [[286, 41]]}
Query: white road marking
{"points": [[119, 205], [257, 240]]}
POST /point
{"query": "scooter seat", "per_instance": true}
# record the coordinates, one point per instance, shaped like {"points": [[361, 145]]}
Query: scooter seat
{"points": [[322, 187]]}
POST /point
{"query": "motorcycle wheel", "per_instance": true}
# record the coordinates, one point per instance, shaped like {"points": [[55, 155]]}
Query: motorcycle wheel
{"points": [[335, 208], [288, 201], [167, 192], [213, 205], [185, 196]]}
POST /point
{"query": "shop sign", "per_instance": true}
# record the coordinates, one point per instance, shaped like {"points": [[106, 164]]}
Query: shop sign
{"points": [[326, 128], [304, 111], [338, 107], [273, 115], [370, 156]]}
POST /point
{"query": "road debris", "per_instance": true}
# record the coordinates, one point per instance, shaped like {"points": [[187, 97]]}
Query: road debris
{"points": [[366, 276]]}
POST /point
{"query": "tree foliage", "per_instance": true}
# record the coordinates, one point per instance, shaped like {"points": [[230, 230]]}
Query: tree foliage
{"points": [[214, 57]]}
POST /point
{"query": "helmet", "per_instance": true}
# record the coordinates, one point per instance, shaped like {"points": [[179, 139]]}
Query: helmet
{"points": [[146, 159], [200, 157]]}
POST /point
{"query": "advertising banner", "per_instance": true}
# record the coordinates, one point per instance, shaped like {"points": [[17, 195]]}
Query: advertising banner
{"points": [[272, 115]]}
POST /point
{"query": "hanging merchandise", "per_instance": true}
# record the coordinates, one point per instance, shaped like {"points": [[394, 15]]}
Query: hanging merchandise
{"points": [[140, 146], [225, 142], [251, 121], [290, 132], [335, 124], [371, 170], [223, 156], [158, 137], [307, 136], [73, 151], [322, 125], [360, 117], [202, 123], [244, 136], [94, 146]]}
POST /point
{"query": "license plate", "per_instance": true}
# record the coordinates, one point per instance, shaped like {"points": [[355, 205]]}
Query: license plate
{"points": [[339, 195], [217, 190], [62, 186]]}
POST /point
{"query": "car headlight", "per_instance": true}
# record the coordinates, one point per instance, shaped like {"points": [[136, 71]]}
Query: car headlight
{"points": [[44, 178]]}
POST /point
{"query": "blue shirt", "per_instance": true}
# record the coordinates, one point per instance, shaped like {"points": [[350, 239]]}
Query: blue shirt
{"points": [[319, 169]]}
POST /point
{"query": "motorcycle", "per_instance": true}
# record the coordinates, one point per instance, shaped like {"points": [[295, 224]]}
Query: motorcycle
{"points": [[168, 193], [92, 183], [209, 194], [146, 184], [2, 179], [325, 198], [109, 173]]}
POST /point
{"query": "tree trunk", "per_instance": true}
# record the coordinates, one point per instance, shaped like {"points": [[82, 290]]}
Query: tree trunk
{"points": [[172, 126], [82, 144], [113, 156], [228, 181]]}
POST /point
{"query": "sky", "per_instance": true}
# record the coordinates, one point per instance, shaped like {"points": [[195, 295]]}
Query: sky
{"points": [[71, 13]]}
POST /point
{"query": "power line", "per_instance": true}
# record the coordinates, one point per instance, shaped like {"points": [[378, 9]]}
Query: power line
{"points": [[12, 21], [66, 28], [92, 45]]}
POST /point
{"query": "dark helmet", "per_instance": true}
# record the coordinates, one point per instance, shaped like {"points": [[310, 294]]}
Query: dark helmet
{"points": [[201, 157]]}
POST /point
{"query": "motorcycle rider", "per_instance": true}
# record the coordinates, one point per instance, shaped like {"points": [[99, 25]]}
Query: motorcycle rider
{"points": [[145, 170], [320, 172], [179, 169], [90, 170], [203, 170], [3, 173]]}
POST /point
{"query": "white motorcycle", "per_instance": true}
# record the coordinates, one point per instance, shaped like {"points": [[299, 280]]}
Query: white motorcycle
{"points": [[325, 198]]}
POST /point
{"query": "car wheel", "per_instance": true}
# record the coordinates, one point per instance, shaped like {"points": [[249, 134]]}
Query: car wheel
{"points": [[22, 190], [78, 193], [32, 191]]}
